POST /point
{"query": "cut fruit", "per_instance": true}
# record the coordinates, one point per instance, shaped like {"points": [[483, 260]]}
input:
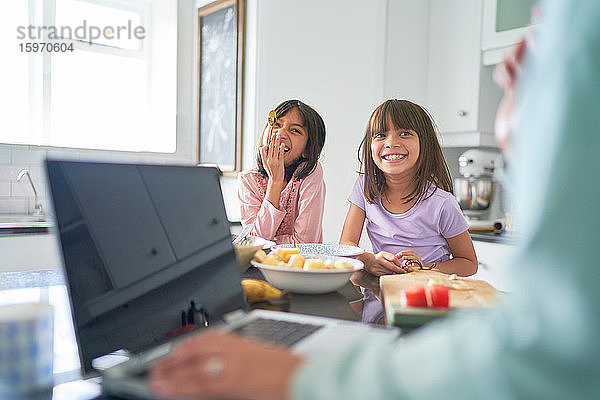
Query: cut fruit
{"points": [[296, 261], [439, 296], [285, 253], [414, 296]]}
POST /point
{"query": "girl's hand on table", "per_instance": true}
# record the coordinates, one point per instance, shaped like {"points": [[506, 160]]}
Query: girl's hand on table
{"points": [[410, 258], [273, 158], [224, 365], [384, 263]]}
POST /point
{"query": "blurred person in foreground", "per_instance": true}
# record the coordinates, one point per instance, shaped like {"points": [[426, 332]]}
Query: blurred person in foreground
{"points": [[543, 341]]}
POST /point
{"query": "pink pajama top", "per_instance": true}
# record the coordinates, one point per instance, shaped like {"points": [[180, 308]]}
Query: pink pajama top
{"points": [[299, 217]]}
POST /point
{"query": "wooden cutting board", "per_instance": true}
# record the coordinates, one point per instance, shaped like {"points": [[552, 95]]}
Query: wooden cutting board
{"points": [[469, 293]]}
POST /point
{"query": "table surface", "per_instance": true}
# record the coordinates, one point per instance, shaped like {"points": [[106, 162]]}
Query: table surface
{"points": [[49, 286]]}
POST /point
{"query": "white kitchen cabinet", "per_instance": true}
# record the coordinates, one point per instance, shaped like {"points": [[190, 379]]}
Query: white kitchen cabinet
{"points": [[461, 95], [493, 259], [505, 22]]}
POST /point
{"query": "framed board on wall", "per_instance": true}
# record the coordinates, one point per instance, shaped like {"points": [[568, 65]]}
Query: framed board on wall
{"points": [[220, 77]]}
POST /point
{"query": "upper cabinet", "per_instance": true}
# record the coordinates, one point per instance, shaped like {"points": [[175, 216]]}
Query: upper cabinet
{"points": [[505, 22], [460, 93]]}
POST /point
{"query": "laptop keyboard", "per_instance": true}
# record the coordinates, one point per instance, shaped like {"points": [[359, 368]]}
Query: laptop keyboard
{"points": [[285, 333]]}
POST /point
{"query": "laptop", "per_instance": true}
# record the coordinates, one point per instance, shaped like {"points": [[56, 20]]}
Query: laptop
{"points": [[142, 246]]}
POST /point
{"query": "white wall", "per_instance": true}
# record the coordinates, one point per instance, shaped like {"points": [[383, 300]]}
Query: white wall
{"points": [[343, 58], [407, 50]]}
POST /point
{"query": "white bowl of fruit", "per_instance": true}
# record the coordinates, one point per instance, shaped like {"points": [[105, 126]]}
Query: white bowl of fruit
{"points": [[286, 269]]}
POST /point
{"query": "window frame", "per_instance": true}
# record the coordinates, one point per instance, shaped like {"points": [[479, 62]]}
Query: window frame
{"points": [[240, 16]]}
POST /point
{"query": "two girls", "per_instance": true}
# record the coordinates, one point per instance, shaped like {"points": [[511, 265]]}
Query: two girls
{"points": [[284, 196], [404, 193]]}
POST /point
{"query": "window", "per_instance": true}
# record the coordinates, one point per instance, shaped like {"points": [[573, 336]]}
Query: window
{"points": [[14, 78], [112, 85]]}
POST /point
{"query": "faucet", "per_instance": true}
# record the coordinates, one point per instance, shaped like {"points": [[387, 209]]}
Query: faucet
{"points": [[37, 209]]}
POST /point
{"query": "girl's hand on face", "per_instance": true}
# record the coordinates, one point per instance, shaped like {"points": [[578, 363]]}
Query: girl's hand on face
{"points": [[386, 264], [273, 157], [409, 258]]}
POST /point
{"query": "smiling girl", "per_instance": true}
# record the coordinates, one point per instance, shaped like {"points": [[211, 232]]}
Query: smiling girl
{"points": [[284, 196], [405, 196]]}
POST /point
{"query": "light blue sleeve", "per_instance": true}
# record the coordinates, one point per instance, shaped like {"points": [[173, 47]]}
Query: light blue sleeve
{"points": [[543, 342]]}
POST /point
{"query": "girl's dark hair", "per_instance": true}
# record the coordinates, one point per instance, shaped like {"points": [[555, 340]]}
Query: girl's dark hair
{"points": [[315, 128], [431, 167]]}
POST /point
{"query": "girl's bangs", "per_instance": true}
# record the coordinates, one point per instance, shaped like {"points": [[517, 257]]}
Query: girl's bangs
{"points": [[287, 105], [392, 115], [378, 122]]}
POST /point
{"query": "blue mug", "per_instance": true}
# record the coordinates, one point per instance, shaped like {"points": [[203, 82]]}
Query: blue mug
{"points": [[26, 349]]}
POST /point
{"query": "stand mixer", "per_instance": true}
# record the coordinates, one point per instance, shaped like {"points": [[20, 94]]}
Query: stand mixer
{"points": [[478, 192]]}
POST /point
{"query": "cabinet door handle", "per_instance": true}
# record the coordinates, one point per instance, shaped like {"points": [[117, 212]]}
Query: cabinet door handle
{"points": [[461, 113]]}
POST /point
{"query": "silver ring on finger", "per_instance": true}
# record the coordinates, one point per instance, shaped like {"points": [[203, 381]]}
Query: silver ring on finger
{"points": [[214, 367]]}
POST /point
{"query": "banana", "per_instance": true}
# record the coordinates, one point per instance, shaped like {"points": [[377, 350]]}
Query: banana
{"points": [[257, 290]]}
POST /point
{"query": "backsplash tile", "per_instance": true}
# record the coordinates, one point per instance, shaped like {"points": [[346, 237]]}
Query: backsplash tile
{"points": [[28, 156], [4, 155], [21, 189], [14, 205], [4, 189], [18, 198], [10, 172]]}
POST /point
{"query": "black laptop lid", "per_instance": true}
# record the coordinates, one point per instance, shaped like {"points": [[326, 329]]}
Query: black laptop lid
{"points": [[139, 243]]}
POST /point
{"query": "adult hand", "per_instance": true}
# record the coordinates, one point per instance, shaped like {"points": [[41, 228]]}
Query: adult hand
{"points": [[273, 157], [384, 263], [224, 365], [409, 257]]}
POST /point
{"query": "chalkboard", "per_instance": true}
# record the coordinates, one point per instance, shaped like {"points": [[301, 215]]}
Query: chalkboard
{"points": [[220, 88]]}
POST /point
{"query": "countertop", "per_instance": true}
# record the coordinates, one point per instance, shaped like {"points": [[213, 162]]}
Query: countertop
{"points": [[23, 223], [501, 238]]}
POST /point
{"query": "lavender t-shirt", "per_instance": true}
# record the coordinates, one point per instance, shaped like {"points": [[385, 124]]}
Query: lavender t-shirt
{"points": [[424, 228]]}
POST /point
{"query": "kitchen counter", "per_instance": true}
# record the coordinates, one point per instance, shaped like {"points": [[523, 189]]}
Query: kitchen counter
{"points": [[23, 223], [31, 279], [503, 238]]}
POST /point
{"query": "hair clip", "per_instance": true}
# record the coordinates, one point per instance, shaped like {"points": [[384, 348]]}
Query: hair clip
{"points": [[272, 118]]}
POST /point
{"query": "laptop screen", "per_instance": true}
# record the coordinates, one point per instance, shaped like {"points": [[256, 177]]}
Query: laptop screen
{"points": [[139, 244]]}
